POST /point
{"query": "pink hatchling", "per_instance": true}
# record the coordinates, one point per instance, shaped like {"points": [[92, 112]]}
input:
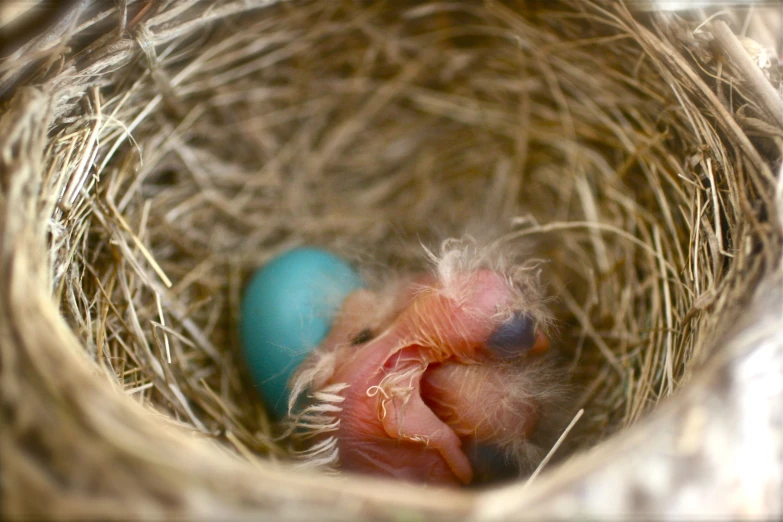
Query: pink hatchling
{"points": [[434, 379]]}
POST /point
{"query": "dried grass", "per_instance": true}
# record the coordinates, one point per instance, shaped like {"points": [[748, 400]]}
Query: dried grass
{"points": [[151, 162]]}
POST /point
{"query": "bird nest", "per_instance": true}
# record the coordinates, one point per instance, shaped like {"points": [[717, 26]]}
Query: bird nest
{"points": [[154, 153]]}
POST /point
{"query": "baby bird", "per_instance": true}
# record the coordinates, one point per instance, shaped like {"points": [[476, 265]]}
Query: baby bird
{"points": [[436, 378]]}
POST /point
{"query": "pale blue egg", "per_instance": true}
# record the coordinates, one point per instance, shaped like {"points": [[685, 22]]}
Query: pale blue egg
{"points": [[287, 310]]}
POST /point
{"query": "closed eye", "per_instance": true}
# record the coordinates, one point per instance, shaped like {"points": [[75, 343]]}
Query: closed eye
{"points": [[514, 337], [362, 337]]}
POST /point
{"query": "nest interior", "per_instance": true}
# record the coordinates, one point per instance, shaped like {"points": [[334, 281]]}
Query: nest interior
{"points": [[153, 167]]}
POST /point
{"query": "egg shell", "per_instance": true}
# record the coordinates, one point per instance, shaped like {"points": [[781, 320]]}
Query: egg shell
{"points": [[287, 310]]}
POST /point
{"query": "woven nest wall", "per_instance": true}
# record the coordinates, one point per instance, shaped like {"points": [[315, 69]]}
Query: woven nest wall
{"points": [[155, 153]]}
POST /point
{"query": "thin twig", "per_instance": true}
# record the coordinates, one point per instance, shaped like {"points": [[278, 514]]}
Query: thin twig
{"points": [[554, 448], [766, 93]]}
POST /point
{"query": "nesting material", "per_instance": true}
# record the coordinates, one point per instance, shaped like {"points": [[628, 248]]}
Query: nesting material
{"points": [[154, 153]]}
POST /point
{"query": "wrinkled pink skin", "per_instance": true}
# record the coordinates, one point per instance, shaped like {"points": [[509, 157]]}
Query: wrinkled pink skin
{"points": [[442, 340]]}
